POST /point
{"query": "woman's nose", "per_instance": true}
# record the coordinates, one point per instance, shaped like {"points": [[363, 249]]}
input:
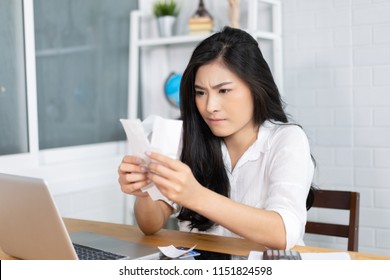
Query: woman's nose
{"points": [[213, 103]]}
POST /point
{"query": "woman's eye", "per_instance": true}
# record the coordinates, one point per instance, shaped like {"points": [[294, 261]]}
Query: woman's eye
{"points": [[224, 90], [198, 92]]}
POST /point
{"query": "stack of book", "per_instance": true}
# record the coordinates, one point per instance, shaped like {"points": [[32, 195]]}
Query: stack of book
{"points": [[200, 25]]}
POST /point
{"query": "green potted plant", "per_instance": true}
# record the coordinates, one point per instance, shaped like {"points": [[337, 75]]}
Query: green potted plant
{"points": [[166, 8], [166, 12]]}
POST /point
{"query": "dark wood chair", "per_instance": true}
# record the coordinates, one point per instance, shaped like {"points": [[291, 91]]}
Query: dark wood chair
{"points": [[331, 199]]}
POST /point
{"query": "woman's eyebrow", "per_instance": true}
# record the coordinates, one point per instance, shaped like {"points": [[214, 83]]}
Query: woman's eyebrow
{"points": [[215, 86], [199, 87]]}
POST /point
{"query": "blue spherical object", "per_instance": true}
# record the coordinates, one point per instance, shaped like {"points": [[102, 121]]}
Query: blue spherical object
{"points": [[172, 89]]}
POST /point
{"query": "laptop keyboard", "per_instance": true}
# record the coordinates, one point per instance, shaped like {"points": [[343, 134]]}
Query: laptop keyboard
{"points": [[89, 253]]}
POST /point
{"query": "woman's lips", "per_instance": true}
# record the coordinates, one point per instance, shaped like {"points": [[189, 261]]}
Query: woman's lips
{"points": [[215, 120]]}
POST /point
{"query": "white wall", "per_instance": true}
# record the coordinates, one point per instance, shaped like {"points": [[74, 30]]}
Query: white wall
{"points": [[337, 85]]}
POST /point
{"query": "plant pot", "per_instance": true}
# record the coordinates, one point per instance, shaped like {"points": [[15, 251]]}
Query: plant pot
{"points": [[165, 25]]}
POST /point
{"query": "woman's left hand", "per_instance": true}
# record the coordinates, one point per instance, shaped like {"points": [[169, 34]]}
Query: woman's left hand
{"points": [[173, 178]]}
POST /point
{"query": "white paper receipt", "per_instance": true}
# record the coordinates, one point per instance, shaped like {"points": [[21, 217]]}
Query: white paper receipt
{"points": [[164, 135], [173, 253]]}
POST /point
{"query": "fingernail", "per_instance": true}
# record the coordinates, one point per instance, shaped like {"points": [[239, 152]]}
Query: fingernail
{"points": [[148, 153], [139, 160], [144, 169]]}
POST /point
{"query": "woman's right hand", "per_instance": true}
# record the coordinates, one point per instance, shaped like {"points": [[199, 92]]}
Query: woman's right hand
{"points": [[132, 176]]}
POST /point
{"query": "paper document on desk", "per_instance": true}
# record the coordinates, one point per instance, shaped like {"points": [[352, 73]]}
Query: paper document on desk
{"points": [[165, 138], [173, 252], [256, 255]]}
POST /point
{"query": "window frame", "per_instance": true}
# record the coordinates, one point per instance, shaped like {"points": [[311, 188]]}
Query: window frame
{"points": [[35, 159]]}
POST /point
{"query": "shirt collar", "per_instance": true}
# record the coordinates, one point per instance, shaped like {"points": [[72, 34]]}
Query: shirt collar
{"points": [[260, 146]]}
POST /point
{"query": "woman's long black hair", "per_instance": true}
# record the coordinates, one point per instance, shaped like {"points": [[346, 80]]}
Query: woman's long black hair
{"points": [[240, 52]]}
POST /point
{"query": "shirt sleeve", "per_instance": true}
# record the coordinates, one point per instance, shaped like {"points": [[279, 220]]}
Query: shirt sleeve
{"points": [[290, 175]]}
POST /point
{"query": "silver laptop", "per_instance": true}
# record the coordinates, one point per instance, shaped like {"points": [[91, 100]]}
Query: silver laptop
{"points": [[32, 228]]}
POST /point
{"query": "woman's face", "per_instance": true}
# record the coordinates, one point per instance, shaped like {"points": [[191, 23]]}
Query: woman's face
{"points": [[224, 101]]}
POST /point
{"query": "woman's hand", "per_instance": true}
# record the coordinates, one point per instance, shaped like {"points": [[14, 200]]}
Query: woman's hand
{"points": [[173, 178], [151, 215], [132, 176]]}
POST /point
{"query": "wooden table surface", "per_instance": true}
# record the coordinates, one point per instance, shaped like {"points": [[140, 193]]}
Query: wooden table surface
{"points": [[234, 246]]}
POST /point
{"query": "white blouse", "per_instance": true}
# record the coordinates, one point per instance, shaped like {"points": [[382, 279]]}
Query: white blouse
{"points": [[275, 174]]}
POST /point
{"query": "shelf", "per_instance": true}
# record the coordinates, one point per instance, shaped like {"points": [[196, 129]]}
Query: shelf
{"points": [[172, 40], [184, 39], [265, 35]]}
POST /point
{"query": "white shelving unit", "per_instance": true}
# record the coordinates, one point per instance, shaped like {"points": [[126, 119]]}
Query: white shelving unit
{"points": [[136, 43]]}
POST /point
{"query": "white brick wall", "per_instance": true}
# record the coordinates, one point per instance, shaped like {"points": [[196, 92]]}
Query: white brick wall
{"points": [[337, 85]]}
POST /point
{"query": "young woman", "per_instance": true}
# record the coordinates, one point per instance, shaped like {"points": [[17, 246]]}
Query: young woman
{"points": [[244, 169]]}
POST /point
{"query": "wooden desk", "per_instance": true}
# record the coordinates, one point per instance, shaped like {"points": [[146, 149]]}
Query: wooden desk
{"points": [[234, 246]]}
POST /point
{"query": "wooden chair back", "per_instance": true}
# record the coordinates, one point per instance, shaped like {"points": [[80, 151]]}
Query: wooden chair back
{"points": [[332, 199]]}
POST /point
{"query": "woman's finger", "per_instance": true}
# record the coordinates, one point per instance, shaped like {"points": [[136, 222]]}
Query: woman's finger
{"points": [[135, 177], [163, 159], [133, 187], [160, 169], [133, 160], [129, 168]]}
